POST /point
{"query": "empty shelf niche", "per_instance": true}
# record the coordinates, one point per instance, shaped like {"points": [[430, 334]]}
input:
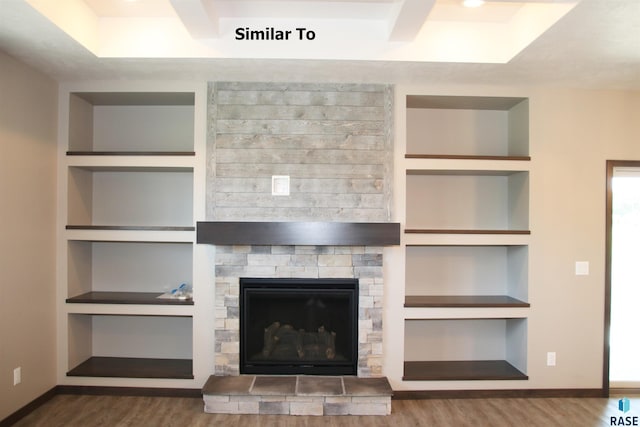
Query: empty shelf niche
{"points": [[127, 272], [470, 276], [465, 349], [130, 346], [143, 197], [443, 126], [120, 123], [467, 200]]}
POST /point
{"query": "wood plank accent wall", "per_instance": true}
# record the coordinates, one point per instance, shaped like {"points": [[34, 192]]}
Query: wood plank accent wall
{"points": [[333, 140]]}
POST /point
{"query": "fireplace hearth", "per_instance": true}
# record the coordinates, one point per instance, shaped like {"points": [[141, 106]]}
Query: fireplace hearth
{"points": [[298, 326]]}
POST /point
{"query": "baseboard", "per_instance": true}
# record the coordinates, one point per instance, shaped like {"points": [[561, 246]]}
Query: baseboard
{"points": [[91, 390], [624, 391], [487, 394], [129, 391], [28, 408]]}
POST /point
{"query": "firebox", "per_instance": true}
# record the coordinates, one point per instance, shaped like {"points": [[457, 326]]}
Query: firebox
{"points": [[298, 326]]}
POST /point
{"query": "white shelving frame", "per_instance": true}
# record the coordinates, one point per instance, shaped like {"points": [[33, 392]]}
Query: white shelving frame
{"points": [[201, 311], [396, 314]]}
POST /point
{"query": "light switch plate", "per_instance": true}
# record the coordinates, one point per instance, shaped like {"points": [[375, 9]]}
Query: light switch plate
{"points": [[582, 268], [17, 375]]}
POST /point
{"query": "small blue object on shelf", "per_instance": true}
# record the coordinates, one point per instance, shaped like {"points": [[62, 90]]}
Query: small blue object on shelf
{"points": [[184, 291]]}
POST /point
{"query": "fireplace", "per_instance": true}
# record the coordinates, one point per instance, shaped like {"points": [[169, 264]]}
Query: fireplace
{"points": [[298, 326]]}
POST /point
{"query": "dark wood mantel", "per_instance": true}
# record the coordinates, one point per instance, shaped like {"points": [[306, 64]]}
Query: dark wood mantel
{"points": [[299, 233]]}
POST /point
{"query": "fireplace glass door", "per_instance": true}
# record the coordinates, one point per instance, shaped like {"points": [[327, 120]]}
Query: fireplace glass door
{"points": [[298, 326]]}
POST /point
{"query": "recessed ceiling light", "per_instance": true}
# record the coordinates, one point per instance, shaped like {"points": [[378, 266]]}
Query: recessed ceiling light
{"points": [[472, 3]]}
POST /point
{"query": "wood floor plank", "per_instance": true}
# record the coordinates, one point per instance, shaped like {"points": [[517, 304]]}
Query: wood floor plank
{"points": [[91, 410]]}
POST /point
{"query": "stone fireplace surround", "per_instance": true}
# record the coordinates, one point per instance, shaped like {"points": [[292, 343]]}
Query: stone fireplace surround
{"points": [[363, 263], [335, 141], [317, 250], [312, 260]]}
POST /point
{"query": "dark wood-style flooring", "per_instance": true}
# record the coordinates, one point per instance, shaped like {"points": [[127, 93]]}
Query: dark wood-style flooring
{"points": [[88, 411]]}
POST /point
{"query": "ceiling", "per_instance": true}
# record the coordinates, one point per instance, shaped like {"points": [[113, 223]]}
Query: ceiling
{"points": [[380, 30], [571, 43]]}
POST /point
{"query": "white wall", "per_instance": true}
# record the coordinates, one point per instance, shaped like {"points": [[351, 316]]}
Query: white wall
{"points": [[28, 102], [573, 133]]}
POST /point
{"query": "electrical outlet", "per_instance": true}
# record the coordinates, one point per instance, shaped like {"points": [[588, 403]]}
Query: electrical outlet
{"points": [[17, 375], [551, 358]]}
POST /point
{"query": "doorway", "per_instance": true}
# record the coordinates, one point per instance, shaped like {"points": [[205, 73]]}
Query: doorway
{"points": [[622, 349]]}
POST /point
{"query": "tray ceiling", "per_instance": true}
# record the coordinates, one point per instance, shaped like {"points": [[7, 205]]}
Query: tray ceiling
{"points": [[389, 30]]}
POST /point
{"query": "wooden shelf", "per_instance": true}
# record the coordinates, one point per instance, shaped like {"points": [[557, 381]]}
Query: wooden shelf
{"points": [[459, 370], [131, 227], [131, 153], [463, 102], [138, 98], [465, 157], [457, 231], [150, 298], [463, 301], [128, 367]]}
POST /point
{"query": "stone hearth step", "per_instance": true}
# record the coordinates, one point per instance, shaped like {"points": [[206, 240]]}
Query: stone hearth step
{"points": [[297, 395]]}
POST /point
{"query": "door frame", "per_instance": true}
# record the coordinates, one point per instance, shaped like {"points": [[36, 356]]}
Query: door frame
{"points": [[611, 165]]}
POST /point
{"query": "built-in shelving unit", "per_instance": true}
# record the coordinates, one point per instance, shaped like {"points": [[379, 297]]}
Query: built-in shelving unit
{"points": [[123, 272], [466, 238], [465, 157], [109, 297], [131, 153], [463, 301], [468, 201], [130, 197], [131, 162], [132, 346], [459, 370], [465, 349], [133, 367], [466, 276]]}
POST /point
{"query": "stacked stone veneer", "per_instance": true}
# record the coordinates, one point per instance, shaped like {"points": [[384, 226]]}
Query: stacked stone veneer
{"points": [[298, 405], [300, 395], [234, 262]]}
